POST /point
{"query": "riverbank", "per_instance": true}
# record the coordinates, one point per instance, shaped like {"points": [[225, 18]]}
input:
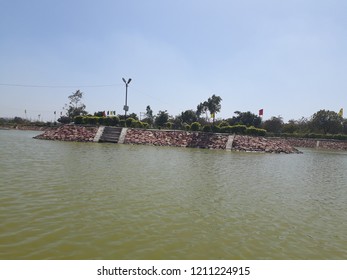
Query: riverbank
{"points": [[216, 141]]}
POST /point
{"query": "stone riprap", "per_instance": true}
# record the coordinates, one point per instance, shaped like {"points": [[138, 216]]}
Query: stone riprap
{"points": [[262, 144], [207, 141], [69, 133], [318, 143], [176, 138]]}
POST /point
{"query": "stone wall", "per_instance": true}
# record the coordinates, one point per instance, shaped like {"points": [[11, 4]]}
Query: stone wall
{"points": [[318, 143], [176, 138], [69, 133], [194, 139], [262, 144], [207, 141]]}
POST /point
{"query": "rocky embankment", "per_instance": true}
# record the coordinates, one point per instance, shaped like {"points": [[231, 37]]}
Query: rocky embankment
{"points": [[208, 141], [318, 143], [176, 138], [69, 133], [262, 144]]}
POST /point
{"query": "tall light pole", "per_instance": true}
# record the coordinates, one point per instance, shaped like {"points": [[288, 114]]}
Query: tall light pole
{"points": [[126, 107]]}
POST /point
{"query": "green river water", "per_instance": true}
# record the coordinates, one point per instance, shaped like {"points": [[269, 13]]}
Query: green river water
{"points": [[63, 200]]}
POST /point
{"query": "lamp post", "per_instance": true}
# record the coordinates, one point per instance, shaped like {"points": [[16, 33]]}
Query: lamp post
{"points": [[126, 107]]}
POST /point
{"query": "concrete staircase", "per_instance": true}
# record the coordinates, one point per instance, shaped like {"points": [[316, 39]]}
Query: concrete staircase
{"points": [[110, 134]]}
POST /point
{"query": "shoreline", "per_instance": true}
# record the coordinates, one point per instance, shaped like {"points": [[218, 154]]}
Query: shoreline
{"points": [[203, 140]]}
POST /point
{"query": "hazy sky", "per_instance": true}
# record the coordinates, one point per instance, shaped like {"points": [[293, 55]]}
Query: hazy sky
{"points": [[288, 57]]}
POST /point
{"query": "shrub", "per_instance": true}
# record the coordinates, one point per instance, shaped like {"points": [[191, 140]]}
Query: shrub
{"points": [[145, 125], [207, 128], [114, 121], [223, 124], [168, 125], [255, 131], [79, 120], [187, 127], [195, 126], [129, 121], [216, 129], [92, 120], [238, 129], [122, 123]]}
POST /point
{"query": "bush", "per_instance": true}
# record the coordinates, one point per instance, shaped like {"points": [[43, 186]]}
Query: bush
{"points": [[223, 124], [207, 128], [195, 126], [92, 120], [129, 121], [216, 129], [145, 125], [187, 127], [255, 131], [79, 120], [238, 129], [168, 125], [122, 123]]}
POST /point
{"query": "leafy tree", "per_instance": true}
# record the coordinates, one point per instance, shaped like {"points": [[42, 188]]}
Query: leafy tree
{"points": [[149, 116], [200, 109], [326, 121], [296, 126], [212, 105], [161, 118], [245, 118], [274, 124], [188, 116], [75, 107]]}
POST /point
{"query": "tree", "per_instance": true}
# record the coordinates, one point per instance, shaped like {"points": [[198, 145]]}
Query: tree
{"points": [[149, 115], [75, 107], [188, 116], [212, 105], [161, 118], [327, 122], [274, 124], [245, 118]]}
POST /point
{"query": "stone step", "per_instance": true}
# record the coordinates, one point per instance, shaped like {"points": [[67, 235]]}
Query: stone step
{"points": [[110, 134]]}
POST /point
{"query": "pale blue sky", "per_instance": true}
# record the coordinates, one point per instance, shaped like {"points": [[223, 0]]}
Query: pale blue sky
{"points": [[286, 56]]}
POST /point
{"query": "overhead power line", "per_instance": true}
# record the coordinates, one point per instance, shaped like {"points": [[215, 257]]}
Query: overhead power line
{"points": [[56, 86]]}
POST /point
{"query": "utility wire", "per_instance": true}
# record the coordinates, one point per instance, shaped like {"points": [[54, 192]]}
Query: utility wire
{"points": [[63, 86]]}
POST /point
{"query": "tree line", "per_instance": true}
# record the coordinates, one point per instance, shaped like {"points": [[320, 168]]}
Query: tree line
{"points": [[323, 122]]}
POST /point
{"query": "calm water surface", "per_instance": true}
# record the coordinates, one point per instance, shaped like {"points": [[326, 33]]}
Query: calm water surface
{"points": [[61, 200]]}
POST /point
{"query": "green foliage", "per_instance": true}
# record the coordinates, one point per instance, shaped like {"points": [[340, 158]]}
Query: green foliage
{"points": [[215, 129], [161, 119], [212, 105], [64, 120], [187, 127], [169, 125], [78, 120], [188, 116], [195, 126], [207, 128], [76, 107], [245, 118], [223, 123], [274, 125], [238, 129], [129, 122], [255, 131], [122, 123], [327, 122]]}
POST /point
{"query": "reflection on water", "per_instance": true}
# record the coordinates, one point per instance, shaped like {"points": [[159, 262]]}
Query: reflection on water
{"points": [[61, 200]]}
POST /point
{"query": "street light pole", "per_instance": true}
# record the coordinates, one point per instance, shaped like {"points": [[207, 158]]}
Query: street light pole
{"points": [[126, 107]]}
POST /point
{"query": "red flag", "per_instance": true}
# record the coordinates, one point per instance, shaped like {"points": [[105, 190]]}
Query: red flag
{"points": [[261, 112]]}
